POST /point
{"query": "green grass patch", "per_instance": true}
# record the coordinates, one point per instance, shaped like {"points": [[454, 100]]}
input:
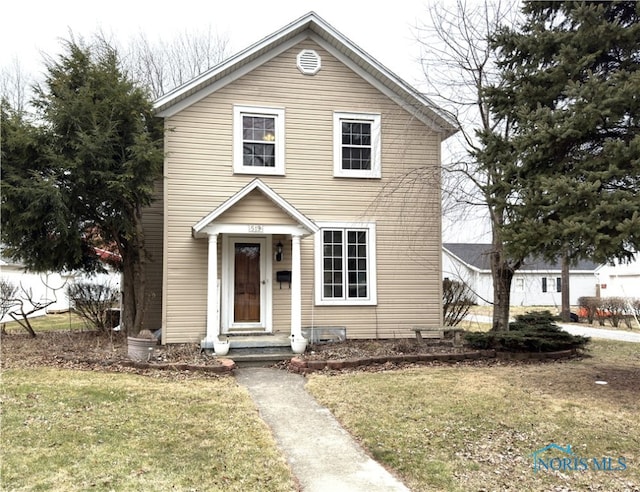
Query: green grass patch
{"points": [[68, 321], [474, 427], [71, 430]]}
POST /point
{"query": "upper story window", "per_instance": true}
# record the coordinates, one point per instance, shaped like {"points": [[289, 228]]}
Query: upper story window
{"points": [[258, 140], [356, 145]]}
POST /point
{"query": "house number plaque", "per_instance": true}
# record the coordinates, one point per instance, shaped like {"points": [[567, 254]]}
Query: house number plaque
{"points": [[256, 228]]}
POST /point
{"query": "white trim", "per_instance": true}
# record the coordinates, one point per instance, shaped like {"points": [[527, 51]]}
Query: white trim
{"points": [[309, 26], [296, 287], [254, 229], [266, 290], [238, 139], [374, 120], [213, 294], [220, 76], [372, 283], [307, 224]]}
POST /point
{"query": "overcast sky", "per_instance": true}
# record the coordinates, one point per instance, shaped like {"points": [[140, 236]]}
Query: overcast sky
{"points": [[384, 29]]}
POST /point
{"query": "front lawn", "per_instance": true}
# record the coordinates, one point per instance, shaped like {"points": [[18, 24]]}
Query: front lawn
{"points": [[66, 430], [475, 426]]}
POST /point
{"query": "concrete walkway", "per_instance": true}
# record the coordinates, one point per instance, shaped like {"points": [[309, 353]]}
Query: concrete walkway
{"points": [[321, 454]]}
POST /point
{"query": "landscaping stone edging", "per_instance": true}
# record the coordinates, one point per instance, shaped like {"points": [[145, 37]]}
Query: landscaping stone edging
{"points": [[225, 366], [301, 365]]}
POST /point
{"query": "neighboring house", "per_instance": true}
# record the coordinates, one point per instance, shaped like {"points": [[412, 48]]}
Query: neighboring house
{"points": [[536, 283], [620, 279], [289, 196], [40, 287], [49, 286]]}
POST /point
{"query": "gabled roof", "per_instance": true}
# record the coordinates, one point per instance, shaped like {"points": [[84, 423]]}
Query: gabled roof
{"points": [[309, 26], [477, 256], [256, 184]]}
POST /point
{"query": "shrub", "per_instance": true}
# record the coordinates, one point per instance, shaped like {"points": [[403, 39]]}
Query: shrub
{"points": [[635, 307], [615, 309], [531, 332], [589, 306], [456, 301], [94, 302]]}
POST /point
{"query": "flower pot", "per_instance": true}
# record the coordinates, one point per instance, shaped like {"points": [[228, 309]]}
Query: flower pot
{"points": [[298, 344], [140, 349], [221, 347]]}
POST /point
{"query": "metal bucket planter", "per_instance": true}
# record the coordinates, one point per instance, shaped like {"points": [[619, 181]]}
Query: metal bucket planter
{"points": [[141, 349]]}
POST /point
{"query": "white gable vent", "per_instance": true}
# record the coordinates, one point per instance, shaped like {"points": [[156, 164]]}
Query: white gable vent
{"points": [[308, 62]]}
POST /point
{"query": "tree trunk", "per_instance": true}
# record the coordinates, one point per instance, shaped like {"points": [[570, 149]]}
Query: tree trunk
{"points": [[502, 274], [133, 279], [565, 313]]}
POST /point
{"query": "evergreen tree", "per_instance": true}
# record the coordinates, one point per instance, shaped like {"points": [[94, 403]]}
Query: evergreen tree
{"points": [[571, 86], [80, 174]]}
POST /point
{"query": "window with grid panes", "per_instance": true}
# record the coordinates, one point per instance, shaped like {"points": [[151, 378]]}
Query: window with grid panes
{"points": [[258, 146], [347, 265]]}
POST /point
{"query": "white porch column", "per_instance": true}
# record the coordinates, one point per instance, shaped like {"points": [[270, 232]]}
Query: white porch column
{"points": [[296, 288], [213, 308]]}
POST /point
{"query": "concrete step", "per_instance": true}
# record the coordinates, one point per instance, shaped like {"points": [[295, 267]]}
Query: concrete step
{"points": [[259, 341], [259, 350], [259, 359]]}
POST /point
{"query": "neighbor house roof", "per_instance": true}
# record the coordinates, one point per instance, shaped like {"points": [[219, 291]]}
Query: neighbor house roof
{"points": [[477, 256], [309, 26]]}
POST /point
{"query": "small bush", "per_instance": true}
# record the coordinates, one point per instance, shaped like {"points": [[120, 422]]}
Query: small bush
{"points": [[457, 299], [93, 302], [635, 307], [531, 332], [589, 306], [615, 307]]}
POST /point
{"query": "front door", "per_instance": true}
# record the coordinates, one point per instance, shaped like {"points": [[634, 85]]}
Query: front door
{"points": [[246, 282], [247, 285]]}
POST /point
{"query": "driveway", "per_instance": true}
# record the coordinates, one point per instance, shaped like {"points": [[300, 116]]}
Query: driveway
{"points": [[587, 331]]}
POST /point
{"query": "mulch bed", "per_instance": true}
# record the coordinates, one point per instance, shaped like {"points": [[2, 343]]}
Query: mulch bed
{"points": [[89, 350]]}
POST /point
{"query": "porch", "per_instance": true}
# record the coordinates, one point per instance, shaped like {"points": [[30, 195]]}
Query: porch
{"points": [[247, 236]]}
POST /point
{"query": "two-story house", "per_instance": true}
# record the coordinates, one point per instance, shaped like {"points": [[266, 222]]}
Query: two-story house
{"points": [[301, 188]]}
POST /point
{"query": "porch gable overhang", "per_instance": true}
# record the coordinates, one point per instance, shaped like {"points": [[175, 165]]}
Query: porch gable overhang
{"points": [[209, 225]]}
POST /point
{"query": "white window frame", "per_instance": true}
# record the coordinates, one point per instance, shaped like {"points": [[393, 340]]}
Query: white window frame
{"points": [[519, 284], [374, 120], [238, 140], [372, 298]]}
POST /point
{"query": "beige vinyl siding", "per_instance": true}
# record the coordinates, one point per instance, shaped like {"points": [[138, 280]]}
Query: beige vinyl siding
{"points": [[406, 210], [152, 222], [282, 293], [255, 208]]}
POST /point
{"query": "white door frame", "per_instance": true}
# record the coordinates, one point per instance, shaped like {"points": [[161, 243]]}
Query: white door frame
{"points": [[266, 294]]}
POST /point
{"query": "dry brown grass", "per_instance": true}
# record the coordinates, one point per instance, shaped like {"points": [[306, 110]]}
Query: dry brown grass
{"points": [[474, 427], [68, 430]]}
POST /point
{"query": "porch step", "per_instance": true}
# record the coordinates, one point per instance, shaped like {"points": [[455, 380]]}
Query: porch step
{"points": [[259, 350], [259, 341]]}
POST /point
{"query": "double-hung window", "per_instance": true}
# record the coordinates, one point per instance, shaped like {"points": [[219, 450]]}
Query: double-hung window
{"points": [[258, 144], [356, 145], [548, 284], [345, 264]]}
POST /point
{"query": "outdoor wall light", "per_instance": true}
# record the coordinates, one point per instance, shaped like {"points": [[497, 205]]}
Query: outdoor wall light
{"points": [[279, 255]]}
